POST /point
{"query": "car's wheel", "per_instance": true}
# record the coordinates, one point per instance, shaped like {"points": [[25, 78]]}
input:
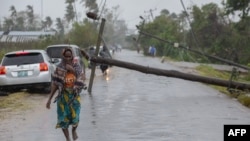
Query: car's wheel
{"points": [[47, 89], [3, 92], [33, 90]]}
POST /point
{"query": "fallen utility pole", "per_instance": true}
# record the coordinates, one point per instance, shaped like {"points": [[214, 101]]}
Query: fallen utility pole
{"points": [[200, 53], [172, 73]]}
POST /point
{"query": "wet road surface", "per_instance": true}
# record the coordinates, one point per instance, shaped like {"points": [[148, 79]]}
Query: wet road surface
{"points": [[127, 105]]}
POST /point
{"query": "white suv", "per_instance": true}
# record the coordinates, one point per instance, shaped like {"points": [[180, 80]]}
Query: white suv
{"points": [[26, 69]]}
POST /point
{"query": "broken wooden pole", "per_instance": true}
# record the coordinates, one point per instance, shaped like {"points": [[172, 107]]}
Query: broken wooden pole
{"points": [[92, 75], [172, 73]]}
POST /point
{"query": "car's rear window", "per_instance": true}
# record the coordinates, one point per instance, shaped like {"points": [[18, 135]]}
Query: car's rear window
{"points": [[20, 59], [55, 52]]}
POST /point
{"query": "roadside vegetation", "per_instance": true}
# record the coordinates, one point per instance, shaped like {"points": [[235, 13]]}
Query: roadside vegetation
{"points": [[68, 29], [207, 29], [242, 96], [14, 102]]}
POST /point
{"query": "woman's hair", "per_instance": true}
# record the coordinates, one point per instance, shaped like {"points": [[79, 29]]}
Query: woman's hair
{"points": [[67, 49], [64, 52]]}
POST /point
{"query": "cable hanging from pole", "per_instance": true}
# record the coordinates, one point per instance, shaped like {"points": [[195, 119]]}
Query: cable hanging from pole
{"points": [[191, 29]]}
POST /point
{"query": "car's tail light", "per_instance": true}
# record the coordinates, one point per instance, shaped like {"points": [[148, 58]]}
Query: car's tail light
{"points": [[43, 67], [22, 53], [2, 70]]}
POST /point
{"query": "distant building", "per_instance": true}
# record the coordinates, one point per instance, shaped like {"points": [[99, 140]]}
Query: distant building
{"points": [[24, 36]]}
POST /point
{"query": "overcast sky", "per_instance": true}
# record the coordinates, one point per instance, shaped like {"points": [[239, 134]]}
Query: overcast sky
{"points": [[130, 10]]}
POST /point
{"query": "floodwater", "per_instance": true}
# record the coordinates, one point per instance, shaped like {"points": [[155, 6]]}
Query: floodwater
{"points": [[128, 105]]}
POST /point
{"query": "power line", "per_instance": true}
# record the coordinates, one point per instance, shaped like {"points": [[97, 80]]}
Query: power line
{"points": [[189, 22], [75, 11], [191, 29], [197, 52], [150, 11], [102, 8]]}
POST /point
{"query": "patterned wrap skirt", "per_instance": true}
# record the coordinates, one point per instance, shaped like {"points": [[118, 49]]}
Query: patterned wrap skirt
{"points": [[68, 114]]}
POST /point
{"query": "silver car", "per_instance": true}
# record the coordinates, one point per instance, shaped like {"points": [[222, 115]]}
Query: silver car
{"points": [[26, 69], [55, 53]]}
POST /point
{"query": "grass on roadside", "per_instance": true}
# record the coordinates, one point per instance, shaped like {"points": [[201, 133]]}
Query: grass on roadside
{"points": [[242, 96], [12, 103]]}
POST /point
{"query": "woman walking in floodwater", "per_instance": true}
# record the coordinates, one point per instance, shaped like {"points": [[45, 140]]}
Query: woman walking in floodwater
{"points": [[68, 80]]}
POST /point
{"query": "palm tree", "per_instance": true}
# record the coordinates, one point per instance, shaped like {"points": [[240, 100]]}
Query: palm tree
{"points": [[13, 11], [60, 27], [30, 14], [13, 16], [48, 21], [44, 25], [20, 23], [70, 14], [91, 5], [8, 24]]}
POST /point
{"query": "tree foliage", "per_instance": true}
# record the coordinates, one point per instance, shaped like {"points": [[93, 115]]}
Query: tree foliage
{"points": [[60, 29], [70, 12], [243, 6], [21, 20], [91, 5], [210, 31], [115, 28], [83, 34], [165, 26]]}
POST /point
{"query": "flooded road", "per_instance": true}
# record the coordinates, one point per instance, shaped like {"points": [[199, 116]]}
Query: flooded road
{"points": [[127, 105]]}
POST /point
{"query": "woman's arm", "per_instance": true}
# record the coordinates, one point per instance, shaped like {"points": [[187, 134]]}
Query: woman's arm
{"points": [[52, 92], [70, 68], [84, 54]]}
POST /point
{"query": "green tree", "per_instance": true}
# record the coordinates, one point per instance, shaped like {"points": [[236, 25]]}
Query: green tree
{"points": [[83, 34], [242, 6], [30, 14], [218, 35], [47, 23], [33, 22], [115, 28], [13, 12], [165, 26], [165, 12], [207, 24], [13, 17], [60, 28], [20, 23], [8, 24], [91, 5], [70, 13]]}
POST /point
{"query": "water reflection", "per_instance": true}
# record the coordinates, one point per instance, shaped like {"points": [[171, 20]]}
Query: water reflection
{"points": [[93, 109]]}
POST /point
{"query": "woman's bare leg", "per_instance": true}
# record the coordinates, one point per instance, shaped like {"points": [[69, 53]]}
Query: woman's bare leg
{"points": [[66, 134], [74, 134]]}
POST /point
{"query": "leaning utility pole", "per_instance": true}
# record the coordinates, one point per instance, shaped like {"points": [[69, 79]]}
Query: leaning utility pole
{"points": [[195, 51], [92, 75], [139, 36], [151, 13], [96, 54]]}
